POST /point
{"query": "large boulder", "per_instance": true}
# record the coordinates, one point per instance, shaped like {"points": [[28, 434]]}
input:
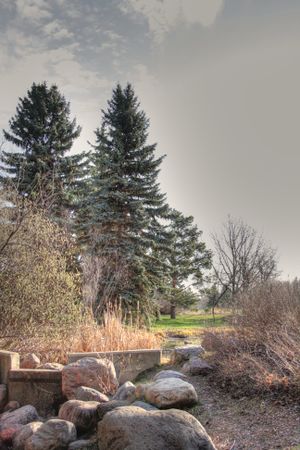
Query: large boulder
{"points": [[168, 393], [197, 366], [99, 374], [132, 428], [83, 414], [24, 433], [30, 361], [144, 405], [13, 421], [3, 396], [104, 408], [181, 354], [169, 374], [125, 392], [87, 394], [55, 434]]}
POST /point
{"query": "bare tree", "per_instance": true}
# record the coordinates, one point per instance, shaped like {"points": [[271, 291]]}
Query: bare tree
{"points": [[242, 257]]}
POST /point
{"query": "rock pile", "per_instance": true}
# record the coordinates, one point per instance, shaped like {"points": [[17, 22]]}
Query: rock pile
{"points": [[100, 415]]}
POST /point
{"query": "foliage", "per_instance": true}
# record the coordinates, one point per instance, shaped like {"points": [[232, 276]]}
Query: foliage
{"points": [[121, 205], [42, 133], [262, 353], [40, 289]]}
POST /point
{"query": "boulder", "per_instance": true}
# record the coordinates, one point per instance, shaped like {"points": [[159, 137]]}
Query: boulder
{"points": [[13, 421], [169, 374], [197, 366], [135, 429], [104, 408], [3, 396], [2, 445], [125, 392], [144, 406], [83, 414], [12, 405], [55, 434], [99, 374], [87, 394], [84, 444], [181, 354], [23, 434], [30, 361], [168, 393], [51, 366]]}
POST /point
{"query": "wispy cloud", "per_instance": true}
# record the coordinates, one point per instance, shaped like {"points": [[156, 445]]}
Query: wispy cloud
{"points": [[33, 10], [163, 15]]}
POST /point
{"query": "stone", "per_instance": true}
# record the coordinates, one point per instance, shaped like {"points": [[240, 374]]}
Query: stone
{"points": [[23, 434], [55, 434], [169, 374], [30, 361], [84, 444], [13, 421], [197, 366], [51, 366], [2, 445], [135, 429], [125, 392], [12, 406], [83, 414], [144, 406], [87, 394], [3, 396], [181, 354], [168, 393], [104, 408], [95, 373]]}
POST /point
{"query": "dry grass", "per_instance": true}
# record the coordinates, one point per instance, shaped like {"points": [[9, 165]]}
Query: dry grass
{"points": [[87, 337], [262, 352]]}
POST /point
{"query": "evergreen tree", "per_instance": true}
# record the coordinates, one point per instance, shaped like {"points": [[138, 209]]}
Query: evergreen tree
{"points": [[123, 203], [43, 133], [187, 257]]}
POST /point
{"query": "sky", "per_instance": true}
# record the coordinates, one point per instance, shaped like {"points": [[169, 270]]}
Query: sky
{"points": [[218, 79]]}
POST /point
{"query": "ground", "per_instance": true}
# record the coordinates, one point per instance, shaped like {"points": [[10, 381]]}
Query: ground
{"points": [[233, 424]]}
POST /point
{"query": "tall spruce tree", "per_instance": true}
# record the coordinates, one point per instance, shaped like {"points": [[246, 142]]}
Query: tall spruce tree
{"points": [[187, 258], [42, 133], [121, 211]]}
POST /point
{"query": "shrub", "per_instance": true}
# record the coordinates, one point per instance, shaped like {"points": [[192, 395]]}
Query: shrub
{"points": [[262, 353]]}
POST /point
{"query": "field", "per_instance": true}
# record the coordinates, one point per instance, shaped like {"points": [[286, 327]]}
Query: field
{"points": [[191, 322]]}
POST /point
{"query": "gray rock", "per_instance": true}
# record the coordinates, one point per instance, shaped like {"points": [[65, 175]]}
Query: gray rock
{"points": [[30, 361], [13, 421], [51, 366], [104, 408], [12, 406], [168, 393], [87, 394], [55, 434], [197, 366], [99, 374], [169, 374], [181, 354], [144, 406], [125, 392], [84, 444], [23, 434], [83, 414], [135, 429]]}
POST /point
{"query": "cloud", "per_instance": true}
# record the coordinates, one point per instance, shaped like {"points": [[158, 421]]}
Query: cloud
{"points": [[56, 30], [33, 10], [163, 15]]}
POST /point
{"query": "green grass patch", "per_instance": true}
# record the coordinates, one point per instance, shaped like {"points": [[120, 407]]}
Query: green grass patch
{"points": [[190, 321]]}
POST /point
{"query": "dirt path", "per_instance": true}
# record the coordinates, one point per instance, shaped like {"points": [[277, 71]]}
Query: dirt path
{"points": [[248, 424]]}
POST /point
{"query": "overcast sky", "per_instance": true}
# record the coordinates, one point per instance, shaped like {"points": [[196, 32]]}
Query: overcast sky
{"points": [[219, 80]]}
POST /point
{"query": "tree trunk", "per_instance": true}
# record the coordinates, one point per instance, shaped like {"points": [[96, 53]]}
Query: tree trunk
{"points": [[173, 311]]}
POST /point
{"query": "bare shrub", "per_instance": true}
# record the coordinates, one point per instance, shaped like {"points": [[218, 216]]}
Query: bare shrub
{"points": [[262, 352]]}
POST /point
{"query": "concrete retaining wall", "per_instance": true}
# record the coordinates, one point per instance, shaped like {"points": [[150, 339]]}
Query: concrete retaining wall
{"points": [[129, 364], [8, 361]]}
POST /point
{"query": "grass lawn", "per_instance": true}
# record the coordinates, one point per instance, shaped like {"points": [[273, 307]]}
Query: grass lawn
{"points": [[190, 321]]}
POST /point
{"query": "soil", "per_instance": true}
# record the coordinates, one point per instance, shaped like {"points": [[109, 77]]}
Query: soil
{"points": [[245, 423]]}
